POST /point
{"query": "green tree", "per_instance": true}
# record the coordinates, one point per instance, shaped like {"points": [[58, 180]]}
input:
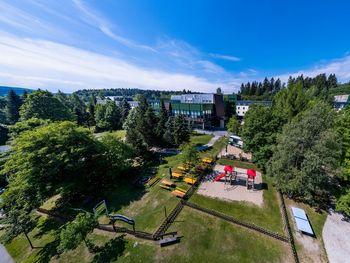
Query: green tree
{"points": [[233, 125], [107, 116], [124, 109], [59, 158], [162, 120], [76, 231], [343, 203], [43, 105], [133, 136], [291, 100], [181, 131], [189, 154], [259, 132], [168, 136], [13, 103], [21, 221], [3, 134], [304, 163], [26, 125]]}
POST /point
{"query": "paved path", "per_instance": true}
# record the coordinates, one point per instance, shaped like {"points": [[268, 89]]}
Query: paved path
{"points": [[336, 237], [5, 256], [213, 140]]}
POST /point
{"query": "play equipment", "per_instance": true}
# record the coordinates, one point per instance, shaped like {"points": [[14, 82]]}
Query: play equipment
{"points": [[178, 193], [251, 178], [216, 179], [125, 219], [228, 168], [190, 180], [100, 207]]}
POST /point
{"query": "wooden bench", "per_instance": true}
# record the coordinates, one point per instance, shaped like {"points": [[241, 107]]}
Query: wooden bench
{"points": [[178, 193], [176, 174], [165, 241], [207, 160], [165, 187], [167, 183], [190, 180]]}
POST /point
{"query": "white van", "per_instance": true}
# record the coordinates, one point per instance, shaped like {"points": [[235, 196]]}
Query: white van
{"points": [[235, 141]]}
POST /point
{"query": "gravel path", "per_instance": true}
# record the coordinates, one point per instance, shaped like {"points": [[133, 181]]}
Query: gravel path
{"points": [[336, 236], [4, 255]]}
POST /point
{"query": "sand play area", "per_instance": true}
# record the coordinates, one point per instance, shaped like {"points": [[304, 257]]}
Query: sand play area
{"points": [[235, 192]]}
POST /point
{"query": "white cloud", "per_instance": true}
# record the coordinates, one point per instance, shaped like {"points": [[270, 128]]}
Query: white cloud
{"points": [[225, 57], [94, 19], [48, 65], [340, 67]]}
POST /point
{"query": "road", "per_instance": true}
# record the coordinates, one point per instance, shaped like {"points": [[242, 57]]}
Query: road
{"points": [[5, 256]]}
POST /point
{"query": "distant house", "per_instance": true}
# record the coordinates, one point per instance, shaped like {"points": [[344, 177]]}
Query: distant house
{"points": [[341, 101], [242, 106]]}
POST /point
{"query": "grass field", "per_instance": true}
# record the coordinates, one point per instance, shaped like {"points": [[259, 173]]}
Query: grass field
{"points": [[269, 216], [204, 238]]}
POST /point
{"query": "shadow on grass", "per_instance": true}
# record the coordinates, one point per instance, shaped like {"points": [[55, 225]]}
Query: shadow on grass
{"points": [[49, 224], [48, 251], [111, 250]]}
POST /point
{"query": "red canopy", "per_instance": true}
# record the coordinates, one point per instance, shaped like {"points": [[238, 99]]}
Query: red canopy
{"points": [[228, 168], [251, 172]]}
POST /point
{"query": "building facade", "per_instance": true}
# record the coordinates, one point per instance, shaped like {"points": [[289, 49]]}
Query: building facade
{"points": [[201, 110], [242, 106], [341, 101]]}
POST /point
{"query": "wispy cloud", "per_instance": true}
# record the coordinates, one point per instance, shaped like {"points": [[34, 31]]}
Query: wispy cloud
{"points": [[225, 57], [340, 67], [92, 17], [44, 64]]}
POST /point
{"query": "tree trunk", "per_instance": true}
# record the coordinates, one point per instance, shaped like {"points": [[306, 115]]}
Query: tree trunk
{"points": [[30, 243]]}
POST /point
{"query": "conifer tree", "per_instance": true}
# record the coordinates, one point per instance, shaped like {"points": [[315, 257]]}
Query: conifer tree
{"points": [[13, 103]]}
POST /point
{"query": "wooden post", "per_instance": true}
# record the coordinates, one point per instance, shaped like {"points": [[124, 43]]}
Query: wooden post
{"points": [[165, 213]]}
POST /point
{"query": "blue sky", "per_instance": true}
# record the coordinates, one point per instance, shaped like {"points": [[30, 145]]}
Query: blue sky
{"points": [[169, 45]]}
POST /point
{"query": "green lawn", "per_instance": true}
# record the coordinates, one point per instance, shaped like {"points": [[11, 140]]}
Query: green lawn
{"points": [[269, 216], [200, 139], [204, 238]]}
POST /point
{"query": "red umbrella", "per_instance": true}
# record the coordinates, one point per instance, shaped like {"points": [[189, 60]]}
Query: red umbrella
{"points": [[251, 172], [228, 168]]}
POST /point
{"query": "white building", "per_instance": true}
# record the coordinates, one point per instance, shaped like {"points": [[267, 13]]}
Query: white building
{"points": [[242, 106]]}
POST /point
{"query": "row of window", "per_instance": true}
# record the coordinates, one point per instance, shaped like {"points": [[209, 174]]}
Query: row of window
{"points": [[193, 114], [243, 108]]}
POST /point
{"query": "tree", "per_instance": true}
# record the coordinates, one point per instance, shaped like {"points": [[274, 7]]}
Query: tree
{"points": [[107, 116], [13, 103], [343, 128], [21, 221], [26, 125], [169, 132], [304, 163], [259, 132], [181, 131], [59, 158], [79, 109], [332, 81], [124, 109], [133, 135], [291, 100], [233, 125], [3, 134], [76, 231], [91, 110], [43, 105], [162, 120], [189, 154]]}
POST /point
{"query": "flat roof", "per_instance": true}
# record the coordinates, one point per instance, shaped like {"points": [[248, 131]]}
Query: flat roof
{"points": [[302, 221]]}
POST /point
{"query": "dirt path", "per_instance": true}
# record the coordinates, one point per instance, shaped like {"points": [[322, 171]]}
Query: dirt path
{"points": [[336, 237]]}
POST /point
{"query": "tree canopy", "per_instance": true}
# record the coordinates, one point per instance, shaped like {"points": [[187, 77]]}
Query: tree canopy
{"points": [[43, 105]]}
